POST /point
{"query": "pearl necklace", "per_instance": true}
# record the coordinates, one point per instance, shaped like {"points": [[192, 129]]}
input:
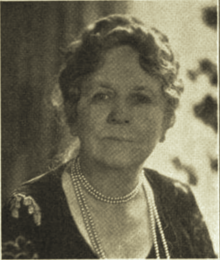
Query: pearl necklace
{"points": [[87, 218], [155, 216], [78, 178], [100, 196]]}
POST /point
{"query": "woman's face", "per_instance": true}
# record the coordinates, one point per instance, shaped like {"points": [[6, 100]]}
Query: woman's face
{"points": [[120, 112]]}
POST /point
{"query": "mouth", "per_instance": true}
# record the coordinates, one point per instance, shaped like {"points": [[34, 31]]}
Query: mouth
{"points": [[119, 139]]}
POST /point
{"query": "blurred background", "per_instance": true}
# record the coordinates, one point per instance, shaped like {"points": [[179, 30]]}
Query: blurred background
{"points": [[34, 139]]}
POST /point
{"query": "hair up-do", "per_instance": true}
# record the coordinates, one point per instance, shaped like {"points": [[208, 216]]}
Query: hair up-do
{"points": [[84, 57]]}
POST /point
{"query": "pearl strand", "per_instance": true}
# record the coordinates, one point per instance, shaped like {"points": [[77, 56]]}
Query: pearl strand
{"points": [[100, 196], [155, 216], [87, 218], [161, 231], [153, 228], [90, 226]]}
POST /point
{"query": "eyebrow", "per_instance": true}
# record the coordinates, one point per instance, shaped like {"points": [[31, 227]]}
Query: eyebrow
{"points": [[143, 88], [105, 85], [100, 84]]}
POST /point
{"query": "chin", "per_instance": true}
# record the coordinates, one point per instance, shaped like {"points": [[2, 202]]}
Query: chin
{"points": [[116, 162], [121, 158]]}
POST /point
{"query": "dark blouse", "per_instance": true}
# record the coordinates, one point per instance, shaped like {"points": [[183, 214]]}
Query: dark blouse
{"points": [[55, 234]]}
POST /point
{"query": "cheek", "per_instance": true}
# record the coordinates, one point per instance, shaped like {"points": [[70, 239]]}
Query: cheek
{"points": [[149, 124], [91, 119]]}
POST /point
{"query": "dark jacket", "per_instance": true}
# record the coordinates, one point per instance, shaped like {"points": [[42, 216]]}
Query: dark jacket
{"points": [[55, 234]]}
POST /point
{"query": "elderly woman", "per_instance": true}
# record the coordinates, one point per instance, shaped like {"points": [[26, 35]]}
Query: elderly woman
{"points": [[120, 90]]}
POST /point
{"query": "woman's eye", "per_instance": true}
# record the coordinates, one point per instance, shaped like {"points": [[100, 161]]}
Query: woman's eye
{"points": [[143, 99], [101, 97]]}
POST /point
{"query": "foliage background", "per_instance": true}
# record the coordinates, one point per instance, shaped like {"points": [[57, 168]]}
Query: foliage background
{"points": [[33, 137]]}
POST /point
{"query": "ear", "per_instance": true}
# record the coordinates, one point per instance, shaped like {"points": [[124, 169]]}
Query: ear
{"points": [[163, 130], [162, 139], [163, 134], [168, 123]]}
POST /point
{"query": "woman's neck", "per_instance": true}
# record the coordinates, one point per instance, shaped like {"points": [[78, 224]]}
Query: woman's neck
{"points": [[110, 181]]}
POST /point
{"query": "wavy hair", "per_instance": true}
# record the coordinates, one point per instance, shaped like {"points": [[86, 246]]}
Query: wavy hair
{"points": [[84, 56]]}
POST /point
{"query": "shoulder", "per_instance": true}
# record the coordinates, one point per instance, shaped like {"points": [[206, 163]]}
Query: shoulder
{"points": [[178, 206], [26, 214], [27, 202], [40, 187], [167, 186], [175, 198], [46, 180]]}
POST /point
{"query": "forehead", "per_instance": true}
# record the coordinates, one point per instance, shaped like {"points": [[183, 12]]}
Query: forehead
{"points": [[120, 68]]}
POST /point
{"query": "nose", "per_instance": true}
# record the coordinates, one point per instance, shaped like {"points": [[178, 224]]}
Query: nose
{"points": [[120, 113]]}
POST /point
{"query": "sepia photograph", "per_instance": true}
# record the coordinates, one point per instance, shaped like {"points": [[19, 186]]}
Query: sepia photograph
{"points": [[110, 129]]}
